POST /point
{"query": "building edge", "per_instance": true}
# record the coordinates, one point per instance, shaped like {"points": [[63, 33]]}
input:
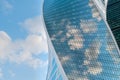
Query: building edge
{"points": [[50, 43], [105, 20]]}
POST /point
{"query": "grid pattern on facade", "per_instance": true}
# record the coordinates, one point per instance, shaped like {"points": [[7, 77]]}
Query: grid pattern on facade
{"points": [[113, 18], [54, 72], [81, 40]]}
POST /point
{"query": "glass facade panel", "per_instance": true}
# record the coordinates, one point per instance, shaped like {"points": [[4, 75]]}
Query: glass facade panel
{"points": [[113, 18], [54, 71], [81, 40]]}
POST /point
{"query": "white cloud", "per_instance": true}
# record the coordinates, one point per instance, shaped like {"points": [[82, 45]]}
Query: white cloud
{"points": [[4, 39], [34, 25], [95, 12], [1, 73], [91, 54], [95, 69], [64, 59], [4, 42], [25, 50], [78, 77], [5, 6], [77, 41], [88, 26]]}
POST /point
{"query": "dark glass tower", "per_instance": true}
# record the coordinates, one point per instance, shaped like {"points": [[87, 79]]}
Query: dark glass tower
{"points": [[113, 18], [81, 43]]}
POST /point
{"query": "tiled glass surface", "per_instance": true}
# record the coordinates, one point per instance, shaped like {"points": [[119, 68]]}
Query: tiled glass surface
{"points": [[54, 72], [113, 18], [81, 40]]}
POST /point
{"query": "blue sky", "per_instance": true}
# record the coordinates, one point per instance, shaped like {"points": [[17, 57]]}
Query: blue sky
{"points": [[23, 47]]}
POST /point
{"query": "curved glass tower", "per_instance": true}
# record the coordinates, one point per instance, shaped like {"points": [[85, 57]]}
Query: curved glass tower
{"points": [[82, 43]]}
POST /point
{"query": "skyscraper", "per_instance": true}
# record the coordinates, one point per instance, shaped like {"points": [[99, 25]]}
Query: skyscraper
{"points": [[113, 18], [82, 42]]}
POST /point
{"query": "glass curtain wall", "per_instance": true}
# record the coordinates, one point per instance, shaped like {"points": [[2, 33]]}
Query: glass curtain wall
{"points": [[81, 40]]}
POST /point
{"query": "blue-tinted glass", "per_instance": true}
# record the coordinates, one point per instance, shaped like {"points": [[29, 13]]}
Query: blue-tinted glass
{"points": [[82, 40]]}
